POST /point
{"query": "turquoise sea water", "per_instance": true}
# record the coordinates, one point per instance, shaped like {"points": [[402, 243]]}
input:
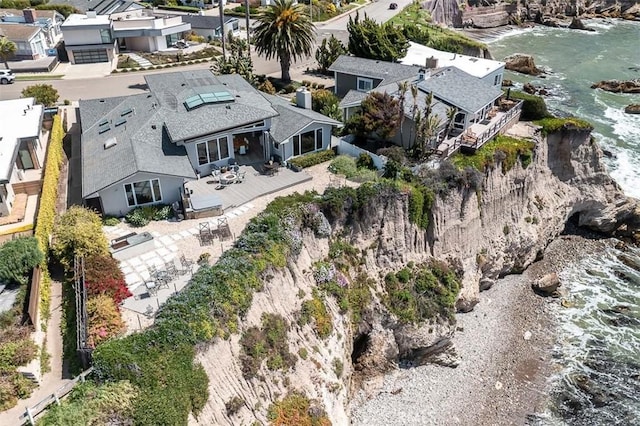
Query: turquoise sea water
{"points": [[598, 350], [577, 59]]}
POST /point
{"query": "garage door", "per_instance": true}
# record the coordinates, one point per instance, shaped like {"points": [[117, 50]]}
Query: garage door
{"points": [[90, 56]]}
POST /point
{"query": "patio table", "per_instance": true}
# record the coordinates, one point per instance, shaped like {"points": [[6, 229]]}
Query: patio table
{"points": [[228, 178]]}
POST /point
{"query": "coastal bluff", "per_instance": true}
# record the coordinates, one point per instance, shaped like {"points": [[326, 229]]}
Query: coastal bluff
{"points": [[484, 234]]}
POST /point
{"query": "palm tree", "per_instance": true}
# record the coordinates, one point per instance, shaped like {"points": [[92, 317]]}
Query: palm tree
{"points": [[451, 116], [403, 88], [7, 50], [222, 34], [284, 32]]}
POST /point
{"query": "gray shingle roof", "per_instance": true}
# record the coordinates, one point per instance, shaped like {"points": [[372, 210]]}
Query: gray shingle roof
{"points": [[460, 89], [387, 71], [139, 147], [19, 32], [292, 119], [102, 7], [173, 89], [353, 97]]}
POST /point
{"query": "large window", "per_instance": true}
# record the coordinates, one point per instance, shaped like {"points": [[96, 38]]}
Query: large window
{"points": [[171, 38], [105, 36], [213, 150], [143, 192], [364, 84], [307, 142]]}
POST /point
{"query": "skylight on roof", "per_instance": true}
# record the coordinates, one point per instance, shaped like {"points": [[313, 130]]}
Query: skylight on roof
{"points": [[104, 122], [126, 112], [103, 129], [208, 98], [121, 122]]}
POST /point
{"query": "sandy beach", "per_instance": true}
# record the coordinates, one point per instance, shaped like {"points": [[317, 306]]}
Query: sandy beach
{"points": [[505, 344]]}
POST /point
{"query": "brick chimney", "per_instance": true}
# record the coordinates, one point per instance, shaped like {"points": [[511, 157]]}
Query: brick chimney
{"points": [[29, 15]]}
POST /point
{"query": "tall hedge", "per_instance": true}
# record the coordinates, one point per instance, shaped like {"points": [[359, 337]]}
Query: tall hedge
{"points": [[47, 209], [78, 232]]}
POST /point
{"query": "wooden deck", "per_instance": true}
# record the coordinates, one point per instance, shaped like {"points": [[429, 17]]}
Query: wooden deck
{"points": [[255, 185], [478, 133]]}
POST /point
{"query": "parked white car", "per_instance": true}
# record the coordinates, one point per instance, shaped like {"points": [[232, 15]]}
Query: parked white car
{"points": [[6, 77]]}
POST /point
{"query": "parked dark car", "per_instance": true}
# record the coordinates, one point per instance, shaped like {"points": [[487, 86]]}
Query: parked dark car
{"points": [[393, 5]]}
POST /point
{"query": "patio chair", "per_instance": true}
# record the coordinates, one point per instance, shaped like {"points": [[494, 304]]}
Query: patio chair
{"points": [[187, 264], [235, 168], [204, 232], [232, 161], [171, 269], [240, 177], [224, 231]]}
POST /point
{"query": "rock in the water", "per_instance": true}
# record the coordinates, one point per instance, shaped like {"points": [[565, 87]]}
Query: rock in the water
{"points": [[527, 335], [521, 63], [529, 88], [507, 83], [608, 153], [576, 24], [632, 109], [618, 86], [547, 285]]}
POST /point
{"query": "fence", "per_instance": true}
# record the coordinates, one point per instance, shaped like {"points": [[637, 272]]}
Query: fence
{"points": [[506, 121], [346, 148], [28, 417]]}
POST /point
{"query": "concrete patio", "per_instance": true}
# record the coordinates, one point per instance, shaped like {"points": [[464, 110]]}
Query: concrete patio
{"points": [[254, 185]]}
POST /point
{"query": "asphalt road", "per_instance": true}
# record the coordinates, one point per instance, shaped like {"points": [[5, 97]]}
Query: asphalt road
{"points": [[132, 83]]}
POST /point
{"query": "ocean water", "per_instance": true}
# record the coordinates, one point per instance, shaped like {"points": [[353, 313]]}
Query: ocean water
{"points": [[598, 349]]}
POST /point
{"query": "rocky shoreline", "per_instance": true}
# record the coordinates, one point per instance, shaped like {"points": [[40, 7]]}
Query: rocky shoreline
{"points": [[506, 346]]}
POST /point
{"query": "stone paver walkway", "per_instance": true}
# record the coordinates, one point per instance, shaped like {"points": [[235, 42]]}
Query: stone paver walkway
{"points": [[139, 59]]}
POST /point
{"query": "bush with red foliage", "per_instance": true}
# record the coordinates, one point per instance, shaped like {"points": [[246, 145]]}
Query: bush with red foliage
{"points": [[103, 276]]}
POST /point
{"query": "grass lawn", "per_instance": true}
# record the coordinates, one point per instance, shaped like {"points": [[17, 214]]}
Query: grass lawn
{"points": [[36, 77], [411, 14]]}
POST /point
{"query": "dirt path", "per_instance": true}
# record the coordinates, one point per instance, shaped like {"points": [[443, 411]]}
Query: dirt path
{"points": [[52, 380]]}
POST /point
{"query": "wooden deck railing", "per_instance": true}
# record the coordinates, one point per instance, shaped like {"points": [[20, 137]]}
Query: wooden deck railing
{"points": [[486, 136], [28, 417]]}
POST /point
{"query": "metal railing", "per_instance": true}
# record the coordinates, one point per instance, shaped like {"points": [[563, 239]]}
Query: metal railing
{"points": [[30, 414], [485, 136]]}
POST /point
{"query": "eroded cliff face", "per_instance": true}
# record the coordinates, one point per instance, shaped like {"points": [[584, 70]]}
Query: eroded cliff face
{"points": [[500, 229]]}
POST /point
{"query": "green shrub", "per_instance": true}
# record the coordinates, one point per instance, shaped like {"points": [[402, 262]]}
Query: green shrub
{"points": [[234, 405], [78, 232], [141, 216], [533, 107], [343, 165], [365, 161], [312, 159], [268, 342], [503, 149], [89, 404], [314, 312], [17, 258], [110, 221], [422, 292], [322, 98], [554, 124], [303, 353], [295, 410], [338, 367], [47, 209]]}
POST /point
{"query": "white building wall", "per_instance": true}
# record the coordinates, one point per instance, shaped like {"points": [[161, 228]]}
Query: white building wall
{"points": [[491, 78], [83, 36], [114, 198]]}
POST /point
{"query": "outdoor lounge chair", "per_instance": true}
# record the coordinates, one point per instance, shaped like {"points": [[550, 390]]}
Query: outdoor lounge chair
{"points": [[187, 265], [240, 177], [204, 233]]}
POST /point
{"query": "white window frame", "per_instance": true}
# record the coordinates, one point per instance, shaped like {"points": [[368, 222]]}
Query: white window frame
{"points": [[206, 144], [153, 194], [366, 81], [296, 140]]}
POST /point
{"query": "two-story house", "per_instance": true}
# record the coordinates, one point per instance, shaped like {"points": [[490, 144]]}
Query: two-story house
{"points": [[49, 20], [22, 150], [141, 149], [453, 90], [88, 38], [487, 70], [30, 40]]}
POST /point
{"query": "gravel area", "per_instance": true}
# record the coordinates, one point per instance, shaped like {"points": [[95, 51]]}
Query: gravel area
{"points": [[505, 344]]}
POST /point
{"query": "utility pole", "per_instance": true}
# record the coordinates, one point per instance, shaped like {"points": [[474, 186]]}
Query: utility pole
{"points": [[222, 34], [246, 15]]}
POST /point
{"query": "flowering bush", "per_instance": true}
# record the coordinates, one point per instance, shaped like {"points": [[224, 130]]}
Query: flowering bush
{"points": [[104, 277], [324, 272], [104, 320]]}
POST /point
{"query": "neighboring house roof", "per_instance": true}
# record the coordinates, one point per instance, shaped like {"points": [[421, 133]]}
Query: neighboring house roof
{"points": [[19, 119], [102, 7], [248, 105], [460, 89], [19, 32], [141, 143], [292, 119], [352, 98], [39, 13], [206, 22], [417, 54], [388, 72], [79, 20]]}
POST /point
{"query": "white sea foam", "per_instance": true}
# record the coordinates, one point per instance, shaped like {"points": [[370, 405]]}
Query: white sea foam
{"points": [[627, 126], [494, 38], [625, 172]]}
